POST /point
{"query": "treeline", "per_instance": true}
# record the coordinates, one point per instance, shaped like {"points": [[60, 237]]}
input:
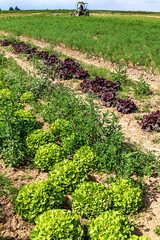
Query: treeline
{"points": [[12, 9]]}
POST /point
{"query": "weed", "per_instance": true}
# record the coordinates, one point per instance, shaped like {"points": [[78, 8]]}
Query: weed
{"points": [[146, 107], [137, 117], [156, 140], [119, 75], [141, 88], [30, 177], [157, 230], [158, 101], [158, 186], [22, 178], [7, 188]]}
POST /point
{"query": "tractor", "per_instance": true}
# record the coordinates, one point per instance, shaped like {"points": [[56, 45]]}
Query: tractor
{"points": [[82, 9]]}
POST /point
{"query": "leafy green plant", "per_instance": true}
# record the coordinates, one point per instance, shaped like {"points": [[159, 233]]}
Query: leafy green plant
{"points": [[3, 59], [27, 97], [60, 128], [120, 75], [35, 198], [7, 188], [5, 94], [156, 140], [90, 199], [14, 154], [137, 117], [86, 157], [134, 237], [71, 143], [37, 138], [126, 196], [141, 88], [57, 224], [110, 225], [157, 230], [67, 175], [105, 137], [47, 155], [25, 122], [146, 107], [40, 88]]}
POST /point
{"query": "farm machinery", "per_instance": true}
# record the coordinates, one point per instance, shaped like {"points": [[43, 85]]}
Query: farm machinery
{"points": [[81, 9]]}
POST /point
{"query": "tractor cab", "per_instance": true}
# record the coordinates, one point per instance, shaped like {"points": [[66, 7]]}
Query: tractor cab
{"points": [[81, 9]]}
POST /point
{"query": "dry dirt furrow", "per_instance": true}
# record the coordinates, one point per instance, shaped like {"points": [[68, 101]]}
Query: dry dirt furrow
{"points": [[22, 63], [134, 133]]}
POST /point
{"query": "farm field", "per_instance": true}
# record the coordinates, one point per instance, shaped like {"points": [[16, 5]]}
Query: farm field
{"points": [[134, 39], [53, 94]]}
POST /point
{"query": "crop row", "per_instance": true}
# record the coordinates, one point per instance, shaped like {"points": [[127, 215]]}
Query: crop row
{"points": [[42, 203], [99, 86]]}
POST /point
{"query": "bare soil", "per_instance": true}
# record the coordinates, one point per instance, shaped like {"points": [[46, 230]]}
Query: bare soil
{"points": [[149, 216]]}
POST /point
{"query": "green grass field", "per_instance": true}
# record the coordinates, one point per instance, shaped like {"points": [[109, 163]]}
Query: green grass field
{"points": [[115, 37]]}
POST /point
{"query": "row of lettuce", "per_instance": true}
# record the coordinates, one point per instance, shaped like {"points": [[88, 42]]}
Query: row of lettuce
{"points": [[100, 87], [80, 140], [104, 209]]}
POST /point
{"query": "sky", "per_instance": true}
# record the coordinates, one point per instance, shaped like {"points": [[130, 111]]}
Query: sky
{"points": [[126, 5]]}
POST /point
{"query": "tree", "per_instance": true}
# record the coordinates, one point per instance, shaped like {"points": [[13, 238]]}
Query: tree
{"points": [[11, 9], [16, 8]]}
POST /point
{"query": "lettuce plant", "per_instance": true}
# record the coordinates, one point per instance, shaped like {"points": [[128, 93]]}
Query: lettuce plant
{"points": [[126, 105], [134, 237], [57, 224], [86, 157], [110, 225], [99, 84], [5, 94], [25, 122], [37, 138], [90, 199], [127, 197], [70, 68], [60, 129], [47, 155], [35, 198], [27, 97], [71, 142], [108, 97], [67, 175], [151, 121]]}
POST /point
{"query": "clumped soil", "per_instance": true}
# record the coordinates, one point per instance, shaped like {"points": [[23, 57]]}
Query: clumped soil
{"points": [[11, 225]]}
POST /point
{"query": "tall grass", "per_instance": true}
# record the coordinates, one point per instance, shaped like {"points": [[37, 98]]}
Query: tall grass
{"points": [[135, 39]]}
